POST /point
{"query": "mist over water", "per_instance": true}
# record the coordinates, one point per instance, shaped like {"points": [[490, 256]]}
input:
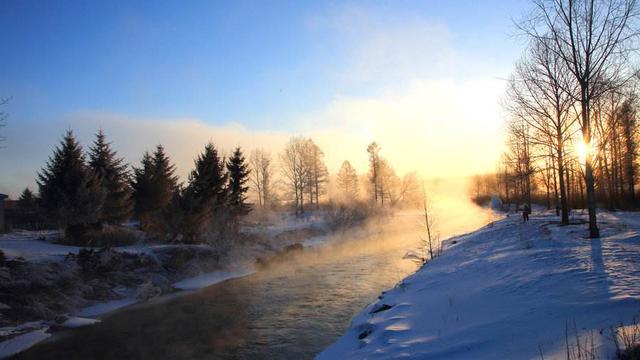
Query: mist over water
{"points": [[290, 310]]}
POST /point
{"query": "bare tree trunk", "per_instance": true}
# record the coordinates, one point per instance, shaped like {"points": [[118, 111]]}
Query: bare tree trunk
{"points": [[555, 184], [591, 200], [563, 190], [629, 163], [569, 186]]}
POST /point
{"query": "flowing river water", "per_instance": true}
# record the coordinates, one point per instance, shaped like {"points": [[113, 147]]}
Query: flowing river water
{"points": [[291, 310]]}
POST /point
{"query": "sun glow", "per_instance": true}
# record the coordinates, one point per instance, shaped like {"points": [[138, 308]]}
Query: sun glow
{"points": [[583, 149]]}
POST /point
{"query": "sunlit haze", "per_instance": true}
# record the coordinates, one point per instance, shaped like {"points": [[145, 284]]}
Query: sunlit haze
{"points": [[423, 79]]}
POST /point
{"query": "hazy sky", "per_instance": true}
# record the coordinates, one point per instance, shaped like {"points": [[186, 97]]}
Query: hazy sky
{"points": [[423, 78]]}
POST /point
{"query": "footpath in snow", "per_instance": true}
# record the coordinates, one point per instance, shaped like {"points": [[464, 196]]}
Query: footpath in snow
{"points": [[508, 291]]}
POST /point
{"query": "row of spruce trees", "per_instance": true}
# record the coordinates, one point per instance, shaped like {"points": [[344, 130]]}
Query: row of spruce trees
{"points": [[83, 192]]}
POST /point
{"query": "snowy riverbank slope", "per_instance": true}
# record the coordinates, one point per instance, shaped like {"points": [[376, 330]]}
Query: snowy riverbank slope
{"points": [[508, 291]]}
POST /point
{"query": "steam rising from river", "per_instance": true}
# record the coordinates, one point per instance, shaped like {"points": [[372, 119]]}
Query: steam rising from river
{"points": [[402, 231]]}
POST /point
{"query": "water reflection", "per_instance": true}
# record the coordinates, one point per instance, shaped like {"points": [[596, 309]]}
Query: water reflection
{"points": [[291, 310]]}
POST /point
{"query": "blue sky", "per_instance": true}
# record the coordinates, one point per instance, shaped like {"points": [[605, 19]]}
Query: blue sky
{"points": [[265, 66]]}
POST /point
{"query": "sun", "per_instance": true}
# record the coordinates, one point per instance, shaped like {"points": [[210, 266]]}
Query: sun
{"points": [[583, 149]]}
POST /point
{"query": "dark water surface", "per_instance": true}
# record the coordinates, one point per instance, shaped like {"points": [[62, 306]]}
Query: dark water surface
{"points": [[291, 310]]}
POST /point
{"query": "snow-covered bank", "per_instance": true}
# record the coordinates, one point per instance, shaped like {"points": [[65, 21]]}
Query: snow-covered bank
{"points": [[45, 287], [507, 291], [208, 279]]}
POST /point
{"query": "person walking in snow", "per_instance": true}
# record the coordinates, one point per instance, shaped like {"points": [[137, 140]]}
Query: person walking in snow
{"points": [[525, 213]]}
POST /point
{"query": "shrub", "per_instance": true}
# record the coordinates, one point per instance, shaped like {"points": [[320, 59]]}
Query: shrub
{"points": [[344, 215], [104, 236]]}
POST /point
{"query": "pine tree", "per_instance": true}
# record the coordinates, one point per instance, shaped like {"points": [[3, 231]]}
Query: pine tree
{"points": [[236, 189], [207, 180], [68, 191], [154, 186], [27, 200], [142, 187], [204, 198], [165, 182], [114, 178]]}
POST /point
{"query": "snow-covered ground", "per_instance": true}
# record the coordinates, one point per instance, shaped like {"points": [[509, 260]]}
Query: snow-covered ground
{"points": [[34, 246], [508, 291]]}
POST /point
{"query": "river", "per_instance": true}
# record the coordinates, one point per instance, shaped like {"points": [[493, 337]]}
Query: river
{"points": [[291, 310]]}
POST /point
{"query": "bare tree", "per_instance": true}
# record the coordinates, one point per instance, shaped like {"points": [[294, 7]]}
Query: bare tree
{"points": [[347, 181], [409, 193], [616, 131], [261, 174], [374, 168], [388, 183], [316, 171], [294, 170], [431, 239], [519, 160], [537, 97], [628, 122], [592, 38]]}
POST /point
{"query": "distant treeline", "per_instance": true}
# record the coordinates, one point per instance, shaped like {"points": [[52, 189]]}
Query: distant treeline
{"points": [[86, 192]]}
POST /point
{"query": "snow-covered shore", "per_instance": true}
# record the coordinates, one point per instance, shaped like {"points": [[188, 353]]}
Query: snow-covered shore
{"points": [[508, 291], [69, 291]]}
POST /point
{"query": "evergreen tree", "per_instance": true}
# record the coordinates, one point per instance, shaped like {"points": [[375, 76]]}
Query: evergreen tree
{"points": [[27, 200], [114, 178], [141, 186], [165, 182], [237, 191], [202, 203], [207, 180], [154, 186], [68, 191]]}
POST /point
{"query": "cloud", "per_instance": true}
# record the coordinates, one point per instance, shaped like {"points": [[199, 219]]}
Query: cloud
{"points": [[30, 144], [378, 46], [438, 127], [398, 79]]}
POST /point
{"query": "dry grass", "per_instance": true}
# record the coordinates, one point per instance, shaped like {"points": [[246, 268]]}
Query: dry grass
{"points": [[626, 339]]}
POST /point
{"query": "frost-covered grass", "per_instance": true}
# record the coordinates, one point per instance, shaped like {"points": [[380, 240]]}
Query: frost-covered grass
{"points": [[509, 291]]}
